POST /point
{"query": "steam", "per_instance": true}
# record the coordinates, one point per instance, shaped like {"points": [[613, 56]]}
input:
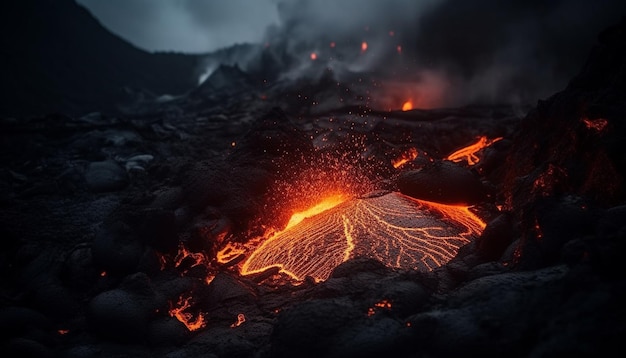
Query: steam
{"points": [[444, 52], [438, 52]]}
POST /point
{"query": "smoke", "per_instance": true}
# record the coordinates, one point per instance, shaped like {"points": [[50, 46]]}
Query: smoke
{"points": [[438, 52], [189, 26], [513, 51], [484, 51]]}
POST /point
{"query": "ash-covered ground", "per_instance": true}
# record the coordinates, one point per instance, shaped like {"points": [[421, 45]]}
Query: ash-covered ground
{"points": [[120, 228]]}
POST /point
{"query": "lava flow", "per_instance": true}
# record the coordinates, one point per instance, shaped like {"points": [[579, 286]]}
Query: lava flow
{"points": [[469, 153], [395, 229]]}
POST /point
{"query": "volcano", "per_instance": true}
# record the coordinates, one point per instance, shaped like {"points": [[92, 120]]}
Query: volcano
{"points": [[298, 205]]}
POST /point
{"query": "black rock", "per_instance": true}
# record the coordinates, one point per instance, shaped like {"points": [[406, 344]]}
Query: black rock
{"points": [[106, 176], [443, 182]]}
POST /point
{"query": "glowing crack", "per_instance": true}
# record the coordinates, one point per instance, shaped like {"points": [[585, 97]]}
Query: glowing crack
{"points": [[395, 229]]}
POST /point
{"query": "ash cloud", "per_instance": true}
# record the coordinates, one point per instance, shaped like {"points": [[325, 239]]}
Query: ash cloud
{"points": [[484, 51], [495, 51], [454, 51]]}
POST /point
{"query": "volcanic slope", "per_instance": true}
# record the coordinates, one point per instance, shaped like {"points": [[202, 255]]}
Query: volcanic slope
{"points": [[395, 229]]}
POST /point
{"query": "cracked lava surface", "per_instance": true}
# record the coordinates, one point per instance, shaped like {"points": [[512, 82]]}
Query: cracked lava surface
{"points": [[398, 230]]}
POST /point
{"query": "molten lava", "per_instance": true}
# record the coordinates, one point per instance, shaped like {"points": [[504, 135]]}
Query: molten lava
{"points": [[469, 153], [407, 106], [178, 311], [229, 252], [326, 204], [404, 158], [395, 229]]}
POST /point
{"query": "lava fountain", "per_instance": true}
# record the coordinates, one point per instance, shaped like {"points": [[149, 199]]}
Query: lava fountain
{"points": [[397, 230]]}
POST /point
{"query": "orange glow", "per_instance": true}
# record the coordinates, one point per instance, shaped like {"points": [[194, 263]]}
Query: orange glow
{"points": [[162, 261], [229, 253], [363, 46], [383, 304], [326, 204], [192, 324], [469, 153], [63, 331], [596, 124], [399, 49], [197, 257], [404, 158], [407, 106], [209, 279], [103, 273], [333, 44], [395, 229], [241, 318], [313, 56]]}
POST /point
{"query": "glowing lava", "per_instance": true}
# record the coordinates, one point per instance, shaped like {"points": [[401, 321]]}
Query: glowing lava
{"points": [[404, 158], [407, 106], [395, 229], [326, 204], [178, 311], [469, 153]]}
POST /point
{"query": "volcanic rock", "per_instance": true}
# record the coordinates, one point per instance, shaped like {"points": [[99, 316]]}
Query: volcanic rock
{"points": [[224, 289], [443, 182], [167, 331], [105, 176], [115, 249], [310, 328], [123, 314], [496, 237]]}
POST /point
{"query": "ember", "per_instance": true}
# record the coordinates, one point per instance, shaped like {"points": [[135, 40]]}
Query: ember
{"points": [[241, 318], [178, 311], [363, 46], [404, 158]]}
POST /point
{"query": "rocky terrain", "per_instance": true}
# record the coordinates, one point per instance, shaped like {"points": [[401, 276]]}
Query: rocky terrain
{"points": [[124, 233]]}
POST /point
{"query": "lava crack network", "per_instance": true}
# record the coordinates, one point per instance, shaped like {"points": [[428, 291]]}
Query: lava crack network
{"points": [[397, 230]]}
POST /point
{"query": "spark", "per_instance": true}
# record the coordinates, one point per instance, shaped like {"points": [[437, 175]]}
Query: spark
{"points": [[395, 229], [407, 106]]}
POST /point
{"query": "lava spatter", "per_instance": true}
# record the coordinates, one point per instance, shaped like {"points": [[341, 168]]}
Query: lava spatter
{"points": [[395, 229]]}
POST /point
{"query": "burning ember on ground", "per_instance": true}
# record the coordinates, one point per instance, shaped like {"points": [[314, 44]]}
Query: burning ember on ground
{"points": [[404, 158], [469, 153], [192, 322], [397, 230]]}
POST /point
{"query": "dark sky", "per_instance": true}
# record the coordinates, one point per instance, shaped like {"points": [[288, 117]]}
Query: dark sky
{"points": [[484, 50], [194, 26]]}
